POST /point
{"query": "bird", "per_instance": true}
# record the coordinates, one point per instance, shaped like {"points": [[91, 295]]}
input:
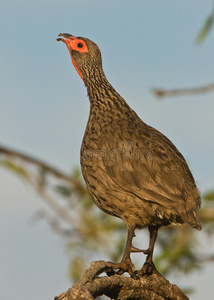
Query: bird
{"points": [[131, 170]]}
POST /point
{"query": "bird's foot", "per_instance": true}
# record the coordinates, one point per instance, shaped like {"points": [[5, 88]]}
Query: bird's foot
{"points": [[124, 266], [147, 269]]}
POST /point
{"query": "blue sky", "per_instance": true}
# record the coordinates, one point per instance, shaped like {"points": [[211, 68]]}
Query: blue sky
{"points": [[44, 108]]}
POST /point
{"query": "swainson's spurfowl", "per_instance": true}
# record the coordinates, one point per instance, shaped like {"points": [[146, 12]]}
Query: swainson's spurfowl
{"points": [[131, 170]]}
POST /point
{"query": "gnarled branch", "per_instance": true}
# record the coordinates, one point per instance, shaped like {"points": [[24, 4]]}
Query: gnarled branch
{"points": [[118, 287]]}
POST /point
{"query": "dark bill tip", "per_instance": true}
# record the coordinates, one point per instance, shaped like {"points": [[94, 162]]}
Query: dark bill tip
{"points": [[66, 35]]}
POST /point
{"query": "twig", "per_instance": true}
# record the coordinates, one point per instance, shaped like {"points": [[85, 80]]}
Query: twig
{"points": [[46, 167], [185, 91]]}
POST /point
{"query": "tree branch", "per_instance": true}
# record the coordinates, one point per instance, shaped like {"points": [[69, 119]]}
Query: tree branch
{"points": [[55, 206], [29, 159], [186, 91], [117, 287]]}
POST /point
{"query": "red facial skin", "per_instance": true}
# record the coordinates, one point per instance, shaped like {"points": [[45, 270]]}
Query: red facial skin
{"points": [[76, 44]]}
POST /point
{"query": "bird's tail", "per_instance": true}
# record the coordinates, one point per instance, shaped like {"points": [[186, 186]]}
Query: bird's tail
{"points": [[192, 219]]}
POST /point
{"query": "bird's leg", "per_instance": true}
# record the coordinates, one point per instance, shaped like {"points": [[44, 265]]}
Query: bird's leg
{"points": [[126, 264], [149, 265]]}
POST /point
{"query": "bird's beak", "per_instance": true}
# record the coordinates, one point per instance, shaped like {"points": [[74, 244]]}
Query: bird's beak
{"points": [[67, 38]]}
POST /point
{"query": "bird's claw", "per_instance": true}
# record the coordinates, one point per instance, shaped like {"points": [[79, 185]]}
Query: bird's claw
{"points": [[124, 266], [147, 269], [147, 251]]}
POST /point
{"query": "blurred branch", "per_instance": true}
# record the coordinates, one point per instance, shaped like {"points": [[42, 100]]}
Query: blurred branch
{"points": [[46, 167], [39, 186], [149, 287], [185, 91], [52, 221], [61, 212], [205, 30]]}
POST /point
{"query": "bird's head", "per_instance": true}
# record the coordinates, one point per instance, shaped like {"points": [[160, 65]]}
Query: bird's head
{"points": [[85, 54]]}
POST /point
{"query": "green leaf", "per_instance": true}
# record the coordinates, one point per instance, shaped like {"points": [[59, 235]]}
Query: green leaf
{"points": [[205, 29], [77, 267], [15, 168], [63, 190], [209, 196]]}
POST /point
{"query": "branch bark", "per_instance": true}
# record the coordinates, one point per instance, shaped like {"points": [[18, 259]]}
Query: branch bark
{"points": [[118, 287]]}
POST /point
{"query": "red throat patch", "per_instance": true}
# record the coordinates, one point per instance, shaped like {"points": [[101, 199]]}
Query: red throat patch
{"points": [[75, 66], [79, 45]]}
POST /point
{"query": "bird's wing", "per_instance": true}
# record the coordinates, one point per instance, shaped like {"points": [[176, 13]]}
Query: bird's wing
{"points": [[150, 167]]}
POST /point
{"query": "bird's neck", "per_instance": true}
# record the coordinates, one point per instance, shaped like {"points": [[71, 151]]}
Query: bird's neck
{"points": [[100, 92]]}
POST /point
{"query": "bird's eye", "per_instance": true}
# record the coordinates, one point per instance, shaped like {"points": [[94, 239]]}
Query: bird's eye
{"points": [[79, 45]]}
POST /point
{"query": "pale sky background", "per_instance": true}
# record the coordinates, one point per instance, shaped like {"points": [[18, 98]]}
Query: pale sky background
{"points": [[44, 110]]}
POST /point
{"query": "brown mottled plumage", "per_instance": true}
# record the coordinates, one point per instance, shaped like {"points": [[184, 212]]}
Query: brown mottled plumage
{"points": [[131, 170]]}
